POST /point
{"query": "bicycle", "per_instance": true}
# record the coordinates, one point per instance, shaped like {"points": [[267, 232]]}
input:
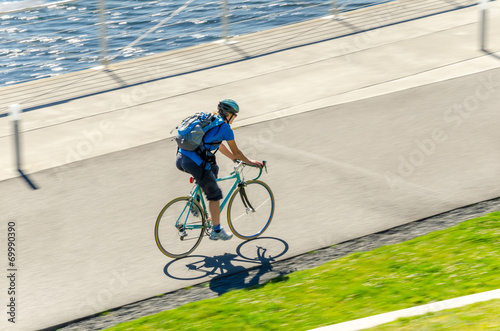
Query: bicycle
{"points": [[181, 224]]}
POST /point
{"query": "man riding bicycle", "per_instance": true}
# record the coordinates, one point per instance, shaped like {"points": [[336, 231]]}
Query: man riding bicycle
{"points": [[204, 168]]}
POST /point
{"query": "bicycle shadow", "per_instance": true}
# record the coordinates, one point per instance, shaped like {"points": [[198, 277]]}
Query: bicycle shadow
{"points": [[225, 274]]}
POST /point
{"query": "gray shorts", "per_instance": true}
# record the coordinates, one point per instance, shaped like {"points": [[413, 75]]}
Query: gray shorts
{"points": [[207, 179]]}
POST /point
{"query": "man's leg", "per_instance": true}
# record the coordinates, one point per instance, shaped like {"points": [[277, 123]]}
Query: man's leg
{"points": [[208, 183], [217, 231], [214, 207]]}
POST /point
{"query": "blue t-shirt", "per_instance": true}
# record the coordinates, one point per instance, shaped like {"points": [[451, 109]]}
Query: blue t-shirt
{"points": [[220, 133]]}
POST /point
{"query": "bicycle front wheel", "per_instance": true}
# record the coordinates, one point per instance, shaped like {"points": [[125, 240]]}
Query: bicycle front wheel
{"points": [[179, 227], [250, 209]]}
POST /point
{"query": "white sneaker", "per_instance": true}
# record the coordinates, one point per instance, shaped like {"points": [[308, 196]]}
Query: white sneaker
{"points": [[222, 235]]}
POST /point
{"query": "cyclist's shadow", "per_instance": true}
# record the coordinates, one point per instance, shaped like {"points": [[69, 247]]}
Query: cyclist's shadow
{"points": [[221, 271]]}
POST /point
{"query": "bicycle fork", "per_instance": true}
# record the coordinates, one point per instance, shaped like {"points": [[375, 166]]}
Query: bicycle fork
{"points": [[244, 199]]}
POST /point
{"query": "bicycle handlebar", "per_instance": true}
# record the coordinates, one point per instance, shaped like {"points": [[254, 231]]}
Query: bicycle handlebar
{"points": [[243, 164]]}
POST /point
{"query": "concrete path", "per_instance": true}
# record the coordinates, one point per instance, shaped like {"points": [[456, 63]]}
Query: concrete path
{"points": [[401, 126]]}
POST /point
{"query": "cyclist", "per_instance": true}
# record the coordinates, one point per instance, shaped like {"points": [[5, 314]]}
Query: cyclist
{"points": [[204, 168]]}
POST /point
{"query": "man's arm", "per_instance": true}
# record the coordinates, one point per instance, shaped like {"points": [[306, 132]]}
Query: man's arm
{"points": [[224, 150]]}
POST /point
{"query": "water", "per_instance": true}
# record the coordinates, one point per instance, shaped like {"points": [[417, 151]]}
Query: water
{"points": [[65, 36]]}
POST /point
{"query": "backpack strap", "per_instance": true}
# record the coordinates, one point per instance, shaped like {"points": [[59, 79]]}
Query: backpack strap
{"points": [[203, 143], [202, 150]]}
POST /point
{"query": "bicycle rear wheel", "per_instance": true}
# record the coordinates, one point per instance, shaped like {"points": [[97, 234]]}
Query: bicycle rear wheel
{"points": [[250, 210], [179, 227]]}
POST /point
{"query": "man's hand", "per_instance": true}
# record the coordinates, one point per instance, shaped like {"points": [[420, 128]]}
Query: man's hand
{"points": [[256, 163]]}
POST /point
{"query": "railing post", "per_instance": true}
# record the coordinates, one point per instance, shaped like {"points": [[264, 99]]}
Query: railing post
{"points": [[15, 115], [224, 20], [482, 23], [334, 9], [103, 33]]}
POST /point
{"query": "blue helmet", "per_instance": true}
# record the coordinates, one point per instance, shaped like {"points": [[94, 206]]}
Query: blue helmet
{"points": [[228, 106]]}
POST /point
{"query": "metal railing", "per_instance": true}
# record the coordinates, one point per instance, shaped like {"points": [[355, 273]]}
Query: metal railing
{"points": [[46, 39], [106, 40]]}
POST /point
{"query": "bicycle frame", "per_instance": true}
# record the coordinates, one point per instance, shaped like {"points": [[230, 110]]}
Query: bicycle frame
{"points": [[196, 192]]}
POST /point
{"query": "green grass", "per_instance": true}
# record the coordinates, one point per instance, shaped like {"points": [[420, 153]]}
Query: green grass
{"points": [[479, 316], [444, 264]]}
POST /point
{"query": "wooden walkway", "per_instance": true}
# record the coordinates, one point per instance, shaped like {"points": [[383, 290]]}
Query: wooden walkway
{"points": [[56, 90]]}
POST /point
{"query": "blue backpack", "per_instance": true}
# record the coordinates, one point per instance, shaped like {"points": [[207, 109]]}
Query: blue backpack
{"points": [[192, 129]]}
